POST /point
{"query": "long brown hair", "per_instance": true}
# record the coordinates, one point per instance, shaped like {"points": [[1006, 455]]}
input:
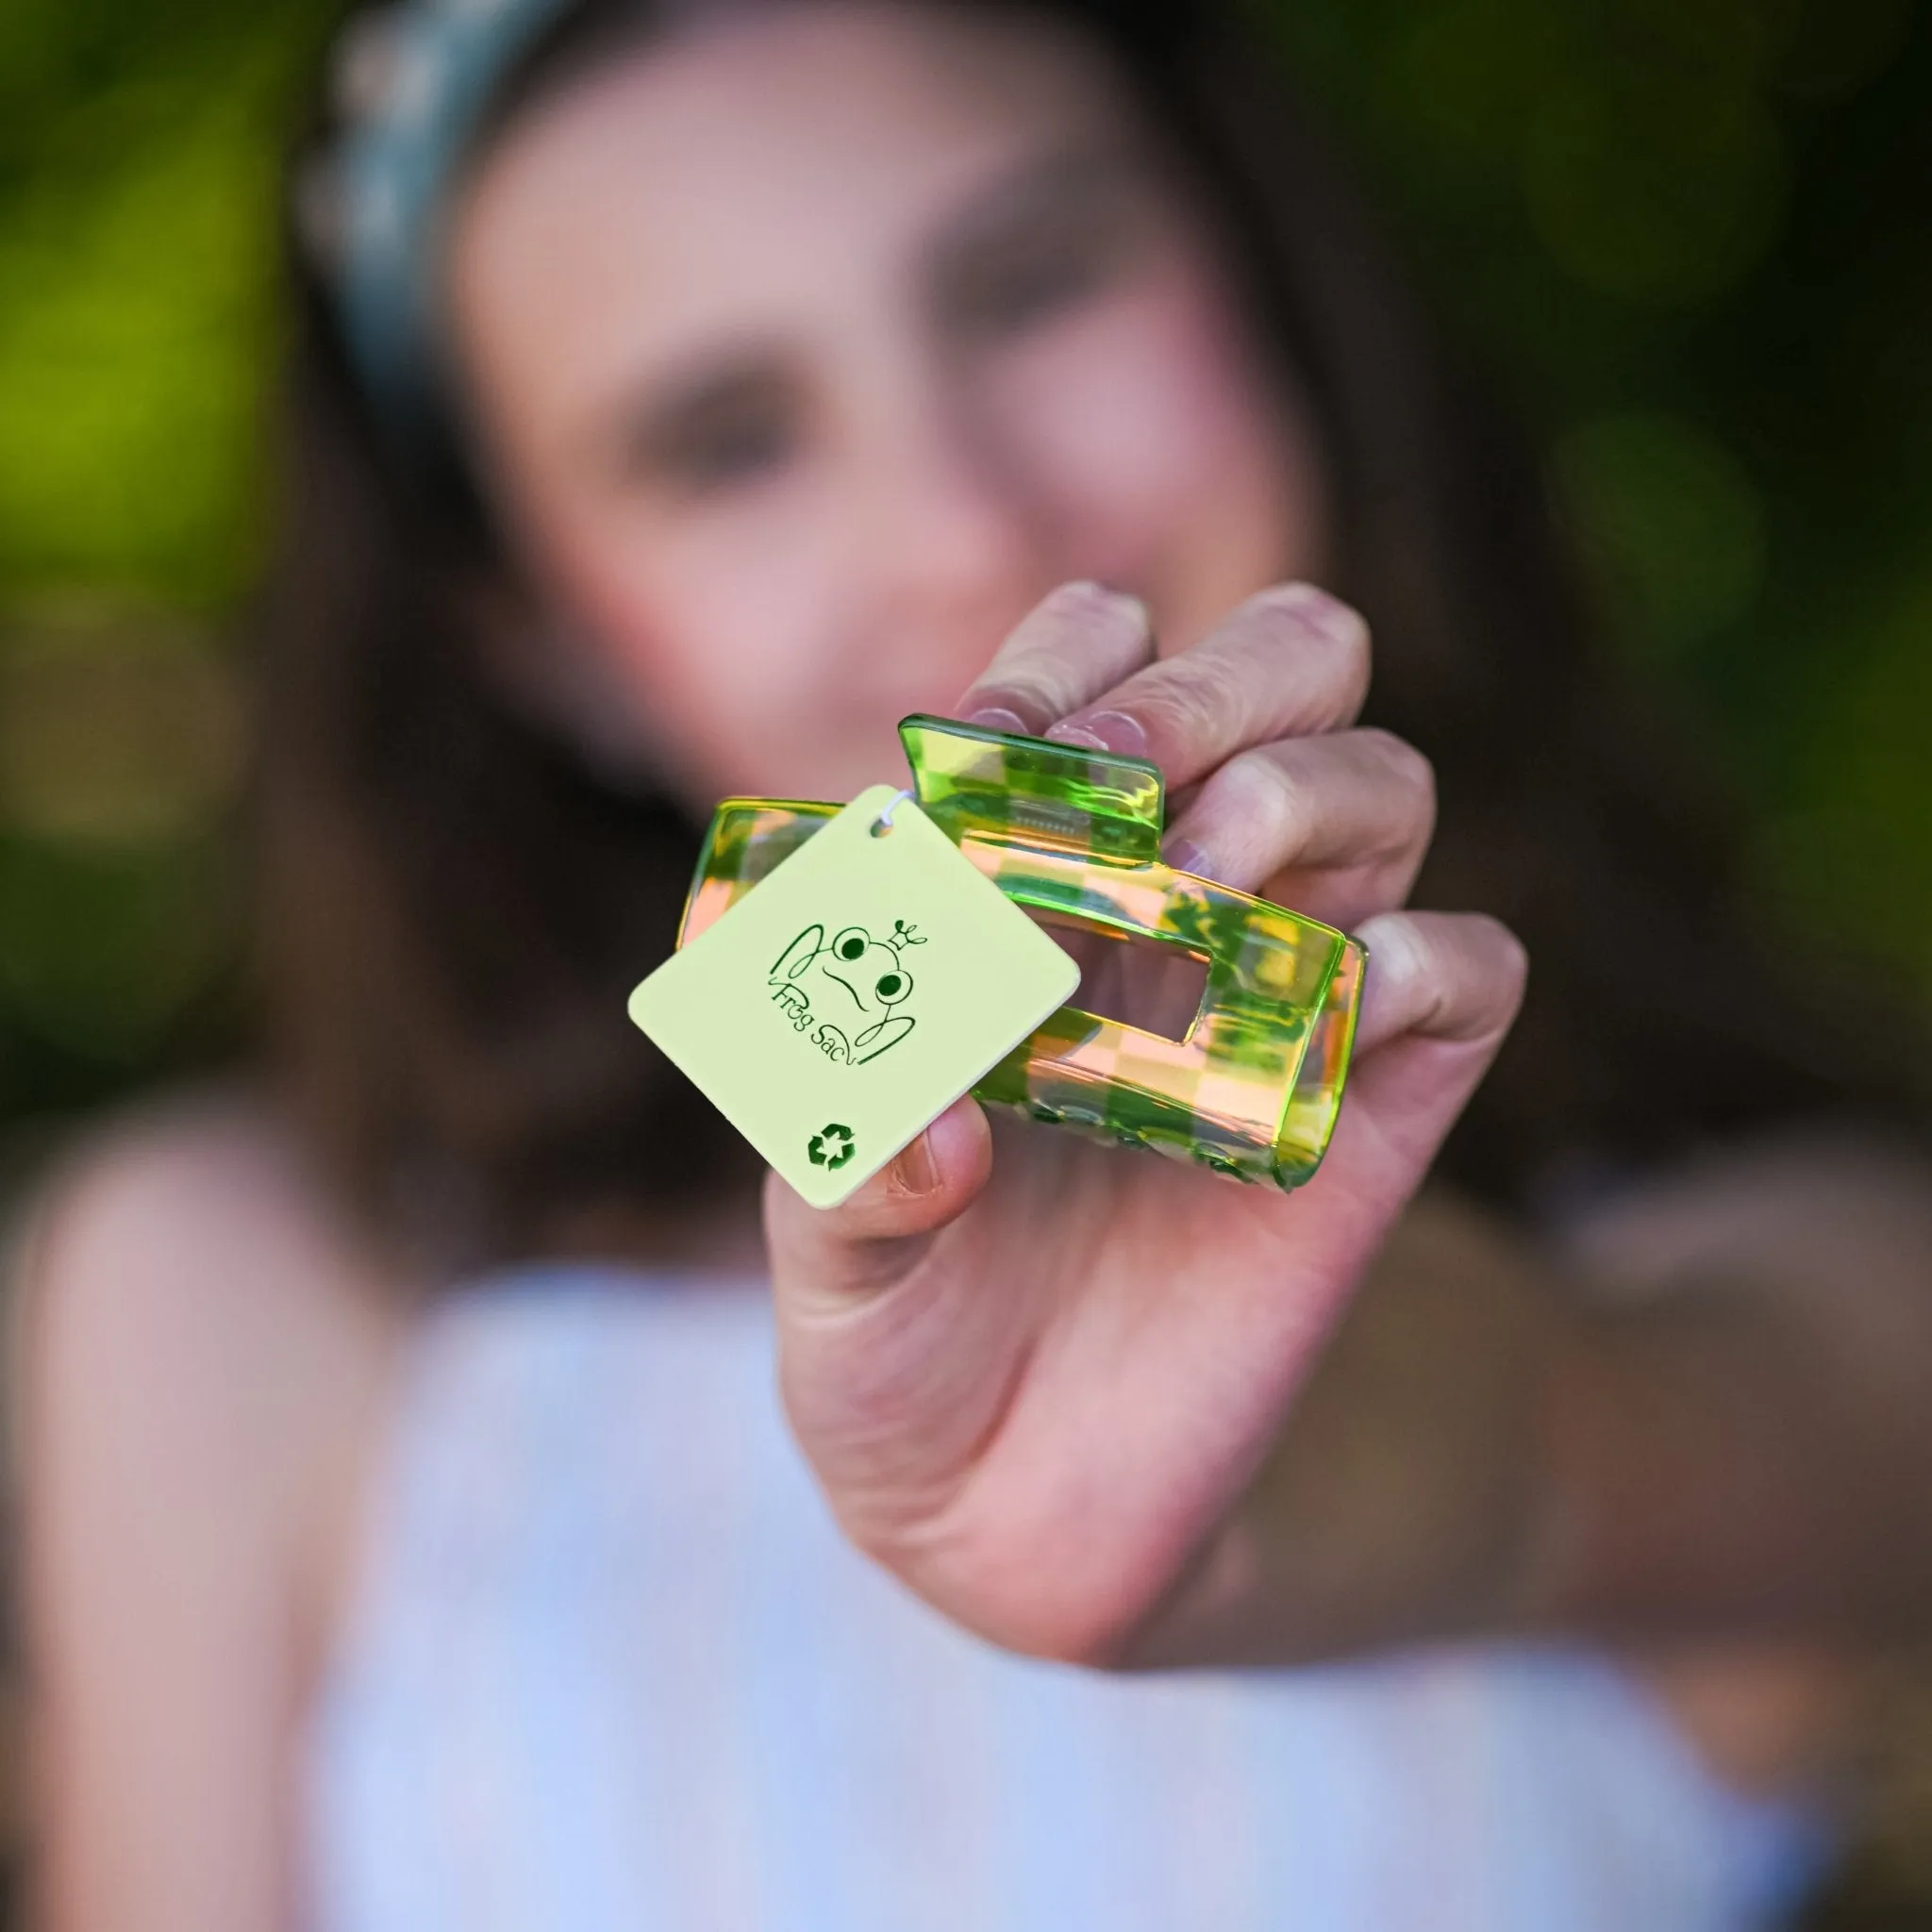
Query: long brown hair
{"points": [[453, 904]]}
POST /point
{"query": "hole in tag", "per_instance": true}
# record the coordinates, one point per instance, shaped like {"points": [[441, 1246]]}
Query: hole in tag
{"points": [[1154, 983]]}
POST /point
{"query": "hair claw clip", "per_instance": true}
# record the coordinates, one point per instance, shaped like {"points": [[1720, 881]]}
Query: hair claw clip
{"points": [[1254, 1086]]}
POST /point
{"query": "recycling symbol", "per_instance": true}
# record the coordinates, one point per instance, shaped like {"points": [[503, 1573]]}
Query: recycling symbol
{"points": [[832, 1147]]}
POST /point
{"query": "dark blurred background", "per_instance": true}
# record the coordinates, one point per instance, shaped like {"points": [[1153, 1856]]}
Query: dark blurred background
{"points": [[1694, 238]]}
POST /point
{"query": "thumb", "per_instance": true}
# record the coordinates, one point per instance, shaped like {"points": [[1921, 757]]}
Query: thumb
{"points": [[830, 1257]]}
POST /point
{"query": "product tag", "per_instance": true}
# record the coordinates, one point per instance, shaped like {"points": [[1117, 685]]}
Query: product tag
{"points": [[851, 997]]}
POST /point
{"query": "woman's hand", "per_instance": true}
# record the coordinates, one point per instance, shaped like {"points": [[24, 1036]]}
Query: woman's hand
{"points": [[1035, 1375]]}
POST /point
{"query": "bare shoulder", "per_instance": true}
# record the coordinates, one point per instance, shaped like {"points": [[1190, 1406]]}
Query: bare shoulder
{"points": [[191, 1305], [201, 1358], [193, 1232]]}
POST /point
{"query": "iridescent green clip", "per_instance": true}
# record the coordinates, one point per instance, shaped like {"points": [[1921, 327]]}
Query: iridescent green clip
{"points": [[1252, 1088]]}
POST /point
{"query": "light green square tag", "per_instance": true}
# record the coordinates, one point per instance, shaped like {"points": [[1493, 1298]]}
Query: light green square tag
{"points": [[854, 995]]}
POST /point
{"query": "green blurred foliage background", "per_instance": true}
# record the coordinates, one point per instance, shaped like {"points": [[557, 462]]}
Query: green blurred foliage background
{"points": [[1690, 236]]}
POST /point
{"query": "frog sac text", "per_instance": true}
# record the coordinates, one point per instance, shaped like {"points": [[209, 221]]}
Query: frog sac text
{"points": [[828, 1038]]}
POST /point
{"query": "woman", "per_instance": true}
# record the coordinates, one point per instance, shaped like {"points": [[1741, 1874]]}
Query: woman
{"points": [[686, 395]]}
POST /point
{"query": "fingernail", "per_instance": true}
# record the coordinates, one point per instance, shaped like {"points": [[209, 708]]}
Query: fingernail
{"points": [[1184, 855], [914, 1172], [997, 718], [1128, 604], [1327, 616], [1091, 590], [1103, 731]]}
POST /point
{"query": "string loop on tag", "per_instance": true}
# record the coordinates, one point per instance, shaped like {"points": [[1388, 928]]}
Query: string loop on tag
{"points": [[883, 824]]}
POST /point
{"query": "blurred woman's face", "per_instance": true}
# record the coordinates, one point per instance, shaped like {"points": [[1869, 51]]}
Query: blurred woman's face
{"points": [[806, 351]]}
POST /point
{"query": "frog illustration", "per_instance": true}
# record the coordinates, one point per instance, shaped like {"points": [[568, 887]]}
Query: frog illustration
{"points": [[847, 989]]}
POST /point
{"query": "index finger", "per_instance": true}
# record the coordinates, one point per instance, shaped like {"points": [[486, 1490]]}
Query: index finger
{"points": [[1075, 643]]}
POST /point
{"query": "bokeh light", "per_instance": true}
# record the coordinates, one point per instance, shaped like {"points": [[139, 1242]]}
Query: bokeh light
{"points": [[1669, 521]]}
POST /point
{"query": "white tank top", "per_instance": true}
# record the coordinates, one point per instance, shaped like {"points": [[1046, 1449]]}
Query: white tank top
{"points": [[612, 1667]]}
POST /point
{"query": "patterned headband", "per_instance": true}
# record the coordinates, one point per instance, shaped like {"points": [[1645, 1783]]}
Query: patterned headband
{"points": [[408, 87]]}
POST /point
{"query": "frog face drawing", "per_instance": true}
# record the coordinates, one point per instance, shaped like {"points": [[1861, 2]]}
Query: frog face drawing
{"points": [[846, 990]]}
